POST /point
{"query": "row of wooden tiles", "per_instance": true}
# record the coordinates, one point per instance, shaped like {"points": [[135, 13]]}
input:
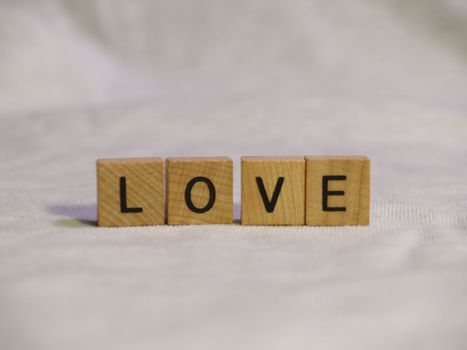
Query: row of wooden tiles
{"points": [[317, 191]]}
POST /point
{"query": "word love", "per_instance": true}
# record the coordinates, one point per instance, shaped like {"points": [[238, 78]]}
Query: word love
{"points": [[317, 191]]}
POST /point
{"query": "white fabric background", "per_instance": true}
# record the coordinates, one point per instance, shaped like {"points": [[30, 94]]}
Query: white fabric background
{"points": [[81, 80]]}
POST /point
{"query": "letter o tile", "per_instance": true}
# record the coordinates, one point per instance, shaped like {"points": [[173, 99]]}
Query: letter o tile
{"points": [[199, 190]]}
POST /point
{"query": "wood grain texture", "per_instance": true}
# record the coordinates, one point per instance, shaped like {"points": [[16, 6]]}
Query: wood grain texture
{"points": [[348, 174], [144, 180], [289, 208], [182, 173]]}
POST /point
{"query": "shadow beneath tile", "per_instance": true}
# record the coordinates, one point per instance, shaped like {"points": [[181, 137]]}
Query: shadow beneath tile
{"points": [[237, 213], [77, 215]]}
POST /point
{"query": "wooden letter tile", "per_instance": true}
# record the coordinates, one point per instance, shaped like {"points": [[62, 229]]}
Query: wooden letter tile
{"points": [[130, 192], [337, 191], [200, 190], [273, 191]]}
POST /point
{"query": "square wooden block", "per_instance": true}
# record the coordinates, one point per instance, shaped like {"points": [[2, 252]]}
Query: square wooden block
{"points": [[200, 190], [130, 192], [337, 191], [273, 191]]}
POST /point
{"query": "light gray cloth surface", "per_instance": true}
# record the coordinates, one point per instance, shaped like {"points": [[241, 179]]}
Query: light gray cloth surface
{"points": [[81, 80]]}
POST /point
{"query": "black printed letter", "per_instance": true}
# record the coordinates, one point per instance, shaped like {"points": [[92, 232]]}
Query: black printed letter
{"points": [[123, 205], [269, 205], [212, 194], [327, 193]]}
